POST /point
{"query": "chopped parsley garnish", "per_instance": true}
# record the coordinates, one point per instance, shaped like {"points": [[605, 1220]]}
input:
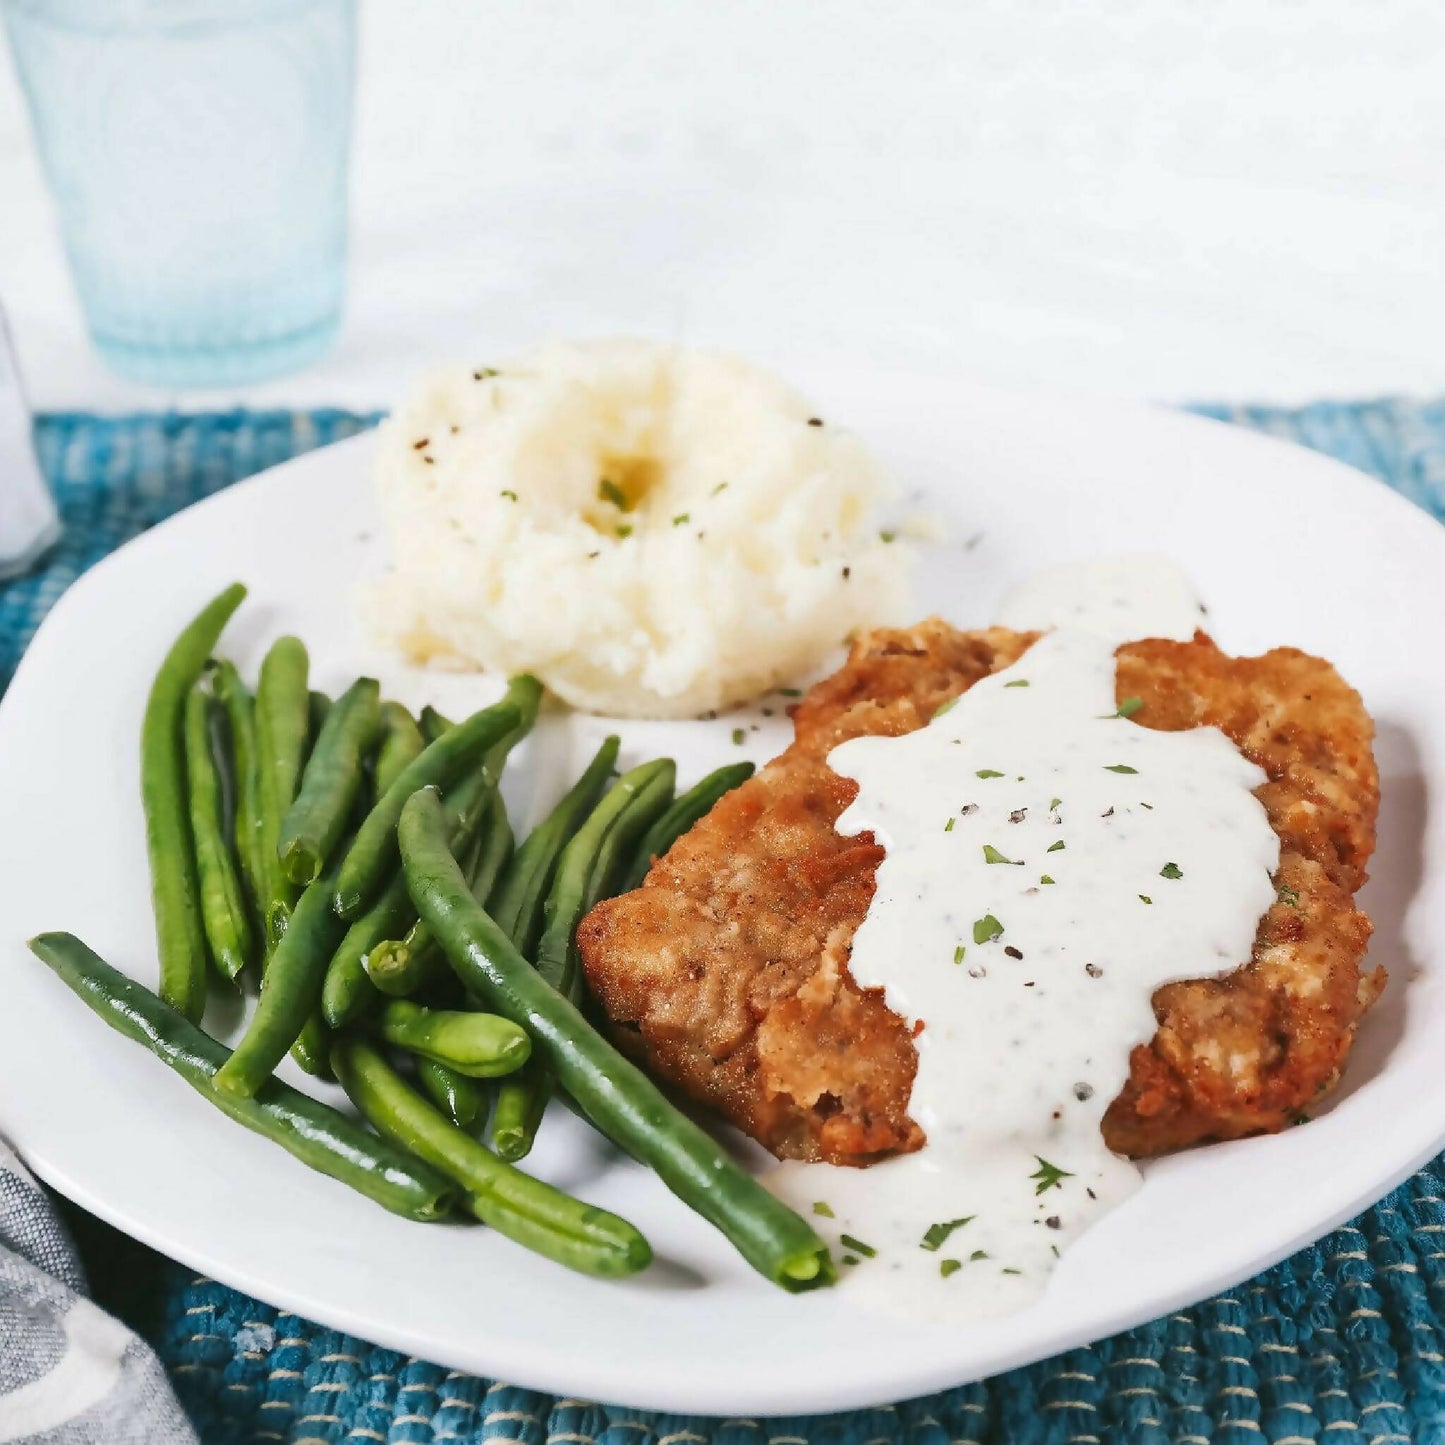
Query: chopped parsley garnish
{"points": [[739, 736], [987, 929], [948, 826], [947, 1267], [1171, 870], [485, 373], [947, 706], [719, 489], [1044, 878], [1054, 804], [1055, 847], [1150, 806], [1048, 1175], [985, 772], [1289, 896], [850, 1259], [1120, 768], [509, 494], [609, 491], [977, 1255], [1145, 898], [992, 855], [790, 692], [1011, 1271], [681, 518], [936, 1235], [624, 531], [1127, 708], [857, 1246], [1300, 1119], [958, 954], [823, 1209], [1018, 682], [888, 536]]}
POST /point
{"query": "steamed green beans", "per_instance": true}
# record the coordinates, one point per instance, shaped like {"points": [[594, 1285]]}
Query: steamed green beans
{"points": [[241, 715], [593, 861], [223, 904], [401, 742], [372, 855], [290, 993], [590, 867], [331, 782], [347, 993], [689, 807], [464, 1101], [317, 1135], [619, 1098], [283, 737], [543, 1219], [522, 889], [482, 1046], [175, 887], [401, 966]]}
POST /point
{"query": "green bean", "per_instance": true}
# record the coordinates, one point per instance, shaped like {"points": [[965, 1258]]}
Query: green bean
{"points": [[521, 891], [590, 867], [401, 742], [535, 1215], [494, 851], [240, 713], [290, 992], [691, 806], [464, 1101], [619, 1098], [223, 903], [480, 1045], [347, 993], [316, 1135], [593, 862], [312, 1048], [318, 708], [175, 886], [434, 724], [331, 782], [372, 855], [400, 967], [283, 733]]}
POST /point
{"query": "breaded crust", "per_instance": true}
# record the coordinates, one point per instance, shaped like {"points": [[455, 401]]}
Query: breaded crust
{"points": [[728, 969]]}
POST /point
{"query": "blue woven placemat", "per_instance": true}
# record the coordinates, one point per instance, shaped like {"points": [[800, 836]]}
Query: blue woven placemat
{"points": [[1343, 1344]]}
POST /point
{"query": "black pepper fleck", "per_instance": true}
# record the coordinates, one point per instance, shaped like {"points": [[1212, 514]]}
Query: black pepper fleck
{"points": [[1093, 970], [1054, 1222], [1012, 951]]}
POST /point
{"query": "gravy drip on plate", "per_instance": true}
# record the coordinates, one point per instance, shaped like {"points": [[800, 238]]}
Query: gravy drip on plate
{"points": [[1050, 864]]}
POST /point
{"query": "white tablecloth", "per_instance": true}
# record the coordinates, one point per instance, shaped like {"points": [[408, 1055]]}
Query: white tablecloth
{"points": [[1147, 197]]}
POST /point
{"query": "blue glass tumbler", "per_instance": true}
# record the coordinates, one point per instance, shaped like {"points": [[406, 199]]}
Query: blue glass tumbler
{"points": [[197, 154]]}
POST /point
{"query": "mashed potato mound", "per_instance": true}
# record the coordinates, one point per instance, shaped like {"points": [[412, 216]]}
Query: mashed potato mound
{"points": [[652, 532]]}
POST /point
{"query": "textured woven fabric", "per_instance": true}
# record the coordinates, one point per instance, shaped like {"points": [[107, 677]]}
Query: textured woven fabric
{"points": [[1343, 1344]]}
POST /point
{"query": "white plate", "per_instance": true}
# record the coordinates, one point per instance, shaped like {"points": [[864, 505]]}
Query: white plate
{"points": [[1287, 548]]}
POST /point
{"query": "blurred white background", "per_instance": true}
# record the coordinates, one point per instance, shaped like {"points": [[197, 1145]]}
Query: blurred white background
{"points": [[1233, 199]]}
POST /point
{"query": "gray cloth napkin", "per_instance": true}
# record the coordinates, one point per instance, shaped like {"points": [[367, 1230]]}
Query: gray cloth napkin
{"points": [[70, 1374]]}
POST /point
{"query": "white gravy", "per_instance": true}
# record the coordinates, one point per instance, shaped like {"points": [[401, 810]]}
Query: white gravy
{"points": [[1049, 865]]}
